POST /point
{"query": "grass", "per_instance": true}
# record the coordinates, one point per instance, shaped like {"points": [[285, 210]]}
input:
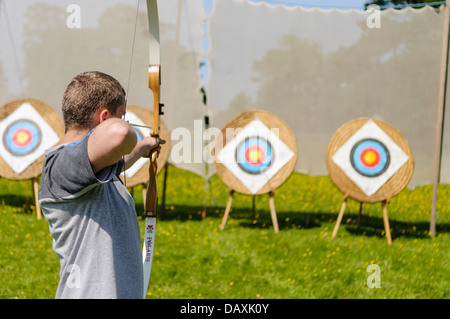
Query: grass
{"points": [[194, 259]]}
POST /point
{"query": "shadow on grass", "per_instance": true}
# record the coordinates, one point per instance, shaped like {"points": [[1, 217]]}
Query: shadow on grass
{"points": [[19, 201], [371, 226]]}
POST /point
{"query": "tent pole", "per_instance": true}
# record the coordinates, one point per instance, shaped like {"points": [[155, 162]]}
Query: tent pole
{"points": [[440, 119]]}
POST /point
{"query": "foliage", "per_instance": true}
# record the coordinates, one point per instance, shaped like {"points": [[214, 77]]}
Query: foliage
{"points": [[400, 4], [195, 259]]}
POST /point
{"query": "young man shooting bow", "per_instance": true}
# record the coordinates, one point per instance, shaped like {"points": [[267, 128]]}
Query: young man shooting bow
{"points": [[91, 214]]}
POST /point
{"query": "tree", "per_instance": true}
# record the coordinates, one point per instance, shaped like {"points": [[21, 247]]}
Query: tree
{"points": [[400, 4]]}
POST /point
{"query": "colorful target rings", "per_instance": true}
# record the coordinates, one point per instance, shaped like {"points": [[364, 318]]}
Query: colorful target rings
{"points": [[370, 157], [254, 155], [22, 137]]}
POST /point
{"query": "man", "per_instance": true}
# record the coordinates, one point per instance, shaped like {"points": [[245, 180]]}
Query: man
{"points": [[91, 214]]}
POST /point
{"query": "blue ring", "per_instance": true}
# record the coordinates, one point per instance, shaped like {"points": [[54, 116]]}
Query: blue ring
{"points": [[359, 147]]}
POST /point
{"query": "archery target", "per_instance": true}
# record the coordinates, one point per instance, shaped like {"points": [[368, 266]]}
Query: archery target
{"points": [[140, 133], [260, 155], [22, 137], [369, 158], [138, 172], [25, 136]]}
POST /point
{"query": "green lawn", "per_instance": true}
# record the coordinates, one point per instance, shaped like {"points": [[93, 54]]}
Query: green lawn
{"points": [[195, 259]]}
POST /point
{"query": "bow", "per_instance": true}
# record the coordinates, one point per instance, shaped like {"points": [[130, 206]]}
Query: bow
{"points": [[154, 81]]}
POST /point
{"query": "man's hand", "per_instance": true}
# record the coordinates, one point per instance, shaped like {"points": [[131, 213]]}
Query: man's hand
{"points": [[153, 144], [144, 148]]}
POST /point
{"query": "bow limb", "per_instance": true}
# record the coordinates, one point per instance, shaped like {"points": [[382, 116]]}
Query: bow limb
{"points": [[154, 80]]}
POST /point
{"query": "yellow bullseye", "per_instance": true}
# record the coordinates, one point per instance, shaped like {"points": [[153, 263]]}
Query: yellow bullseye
{"points": [[370, 157], [254, 156], [22, 137]]}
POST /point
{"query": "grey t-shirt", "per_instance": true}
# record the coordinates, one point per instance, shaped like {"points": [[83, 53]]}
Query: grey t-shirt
{"points": [[94, 226]]}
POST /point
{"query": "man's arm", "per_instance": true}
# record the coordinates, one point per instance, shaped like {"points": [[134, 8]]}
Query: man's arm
{"points": [[111, 139]]}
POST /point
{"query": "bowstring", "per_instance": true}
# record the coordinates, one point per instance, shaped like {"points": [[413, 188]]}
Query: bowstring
{"points": [[129, 78]]}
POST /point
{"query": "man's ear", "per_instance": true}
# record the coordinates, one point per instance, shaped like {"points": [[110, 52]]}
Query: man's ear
{"points": [[103, 114]]}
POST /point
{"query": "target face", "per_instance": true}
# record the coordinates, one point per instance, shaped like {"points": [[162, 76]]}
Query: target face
{"points": [[254, 155], [141, 116], [25, 135], [22, 137], [140, 133], [370, 158]]}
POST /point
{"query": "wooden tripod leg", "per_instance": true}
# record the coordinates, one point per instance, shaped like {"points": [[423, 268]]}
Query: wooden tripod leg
{"points": [[253, 207], [162, 208], [359, 215], [204, 212], [273, 213], [387, 229], [36, 199], [339, 219], [227, 210]]}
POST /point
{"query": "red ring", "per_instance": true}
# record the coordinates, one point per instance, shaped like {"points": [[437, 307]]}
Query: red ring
{"points": [[26, 142], [377, 157]]}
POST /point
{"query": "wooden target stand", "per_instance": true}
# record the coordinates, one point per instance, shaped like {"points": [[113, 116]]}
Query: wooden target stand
{"points": [[141, 176], [233, 182], [396, 183], [34, 170]]}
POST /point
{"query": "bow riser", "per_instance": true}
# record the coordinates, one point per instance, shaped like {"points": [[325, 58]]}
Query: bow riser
{"points": [[154, 81]]}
